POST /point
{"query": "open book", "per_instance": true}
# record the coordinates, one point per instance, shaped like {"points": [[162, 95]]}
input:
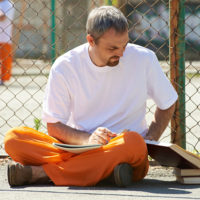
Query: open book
{"points": [[76, 148], [172, 155]]}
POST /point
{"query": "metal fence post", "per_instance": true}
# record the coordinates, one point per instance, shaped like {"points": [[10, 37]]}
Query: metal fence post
{"points": [[53, 32], [177, 68]]}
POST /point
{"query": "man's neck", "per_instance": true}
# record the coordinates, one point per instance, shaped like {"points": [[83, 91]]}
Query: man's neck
{"points": [[94, 58]]}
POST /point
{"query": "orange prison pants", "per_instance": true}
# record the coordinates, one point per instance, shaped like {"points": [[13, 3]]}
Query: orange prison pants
{"points": [[5, 61], [30, 147]]}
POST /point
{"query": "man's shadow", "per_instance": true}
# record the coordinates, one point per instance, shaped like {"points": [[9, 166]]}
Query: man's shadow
{"points": [[152, 186]]}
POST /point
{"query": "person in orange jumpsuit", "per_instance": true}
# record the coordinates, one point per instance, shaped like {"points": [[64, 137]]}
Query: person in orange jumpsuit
{"points": [[94, 92], [6, 18]]}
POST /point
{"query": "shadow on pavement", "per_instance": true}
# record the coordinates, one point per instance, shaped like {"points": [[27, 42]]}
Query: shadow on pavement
{"points": [[148, 187]]}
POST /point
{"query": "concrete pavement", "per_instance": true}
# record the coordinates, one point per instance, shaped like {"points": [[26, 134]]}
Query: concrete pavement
{"points": [[159, 184]]}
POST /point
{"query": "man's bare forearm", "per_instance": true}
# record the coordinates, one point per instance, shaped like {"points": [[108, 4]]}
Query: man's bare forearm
{"points": [[66, 134], [160, 122]]}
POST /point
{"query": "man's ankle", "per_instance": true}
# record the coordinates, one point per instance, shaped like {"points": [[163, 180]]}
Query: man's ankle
{"points": [[38, 173]]}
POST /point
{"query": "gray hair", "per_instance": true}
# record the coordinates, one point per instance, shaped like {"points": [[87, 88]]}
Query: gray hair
{"points": [[103, 18]]}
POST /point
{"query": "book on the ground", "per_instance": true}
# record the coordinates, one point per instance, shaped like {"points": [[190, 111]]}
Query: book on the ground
{"points": [[188, 180], [186, 172], [76, 148], [187, 176], [172, 155]]}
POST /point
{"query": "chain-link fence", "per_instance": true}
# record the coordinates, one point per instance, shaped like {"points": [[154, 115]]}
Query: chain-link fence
{"points": [[192, 69], [42, 30]]}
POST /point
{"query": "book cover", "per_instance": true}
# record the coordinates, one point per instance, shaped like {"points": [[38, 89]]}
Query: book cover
{"points": [[172, 155]]}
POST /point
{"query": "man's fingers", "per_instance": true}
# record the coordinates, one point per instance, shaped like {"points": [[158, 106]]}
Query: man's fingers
{"points": [[96, 139], [106, 136], [101, 140], [103, 135], [149, 137], [110, 134]]}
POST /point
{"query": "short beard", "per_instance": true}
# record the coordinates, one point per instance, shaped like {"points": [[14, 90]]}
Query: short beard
{"points": [[112, 64]]}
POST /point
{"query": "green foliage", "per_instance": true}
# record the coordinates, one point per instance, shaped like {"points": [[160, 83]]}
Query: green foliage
{"points": [[196, 152], [37, 123], [192, 75], [150, 158]]}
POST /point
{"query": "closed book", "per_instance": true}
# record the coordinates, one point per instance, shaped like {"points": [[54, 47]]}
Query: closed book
{"points": [[188, 179], [186, 172]]}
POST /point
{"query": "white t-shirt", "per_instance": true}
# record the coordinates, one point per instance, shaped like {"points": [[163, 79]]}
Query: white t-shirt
{"points": [[6, 25], [85, 96]]}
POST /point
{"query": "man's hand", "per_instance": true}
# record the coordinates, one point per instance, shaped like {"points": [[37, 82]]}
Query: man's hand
{"points": [[149, 137], [101, 136]]}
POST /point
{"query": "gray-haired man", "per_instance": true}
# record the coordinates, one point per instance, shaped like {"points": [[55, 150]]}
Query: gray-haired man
{"points": [[94, 92]]}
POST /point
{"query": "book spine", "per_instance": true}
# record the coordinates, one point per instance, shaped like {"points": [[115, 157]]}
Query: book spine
{"points": [[188, 180], [186, 172]]}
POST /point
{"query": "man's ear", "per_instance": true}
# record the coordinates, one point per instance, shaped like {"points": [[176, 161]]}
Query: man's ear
{"points": [[90, 40]]}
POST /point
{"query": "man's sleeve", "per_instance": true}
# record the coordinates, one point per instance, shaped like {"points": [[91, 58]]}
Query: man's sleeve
{"points": [[56, 104], [159, 87]]}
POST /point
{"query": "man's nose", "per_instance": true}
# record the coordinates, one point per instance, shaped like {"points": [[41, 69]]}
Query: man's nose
{"points": [[120, 52]]}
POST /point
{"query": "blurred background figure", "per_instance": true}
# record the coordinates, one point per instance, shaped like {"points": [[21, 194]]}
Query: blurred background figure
{"points": [[6, 18]]}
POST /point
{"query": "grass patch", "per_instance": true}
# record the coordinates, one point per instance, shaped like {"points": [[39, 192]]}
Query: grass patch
{"points": [[192, 75], [37, 123]]}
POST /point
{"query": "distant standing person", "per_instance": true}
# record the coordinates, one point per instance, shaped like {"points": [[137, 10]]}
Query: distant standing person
{"points": [[6, 18]]}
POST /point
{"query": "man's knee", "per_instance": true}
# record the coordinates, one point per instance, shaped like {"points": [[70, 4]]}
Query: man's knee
{"points": [[135, 143], [12, 140]]}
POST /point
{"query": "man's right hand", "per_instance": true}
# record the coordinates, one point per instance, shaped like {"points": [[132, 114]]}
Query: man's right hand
{"points": [[101, 136]]}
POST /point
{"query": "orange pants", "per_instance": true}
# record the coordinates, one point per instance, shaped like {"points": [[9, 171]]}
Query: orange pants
{"points": [[5, 61], [30, 147]]}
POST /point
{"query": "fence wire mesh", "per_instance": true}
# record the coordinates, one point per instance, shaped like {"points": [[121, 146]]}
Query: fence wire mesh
{"points": [[34, 35]]}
